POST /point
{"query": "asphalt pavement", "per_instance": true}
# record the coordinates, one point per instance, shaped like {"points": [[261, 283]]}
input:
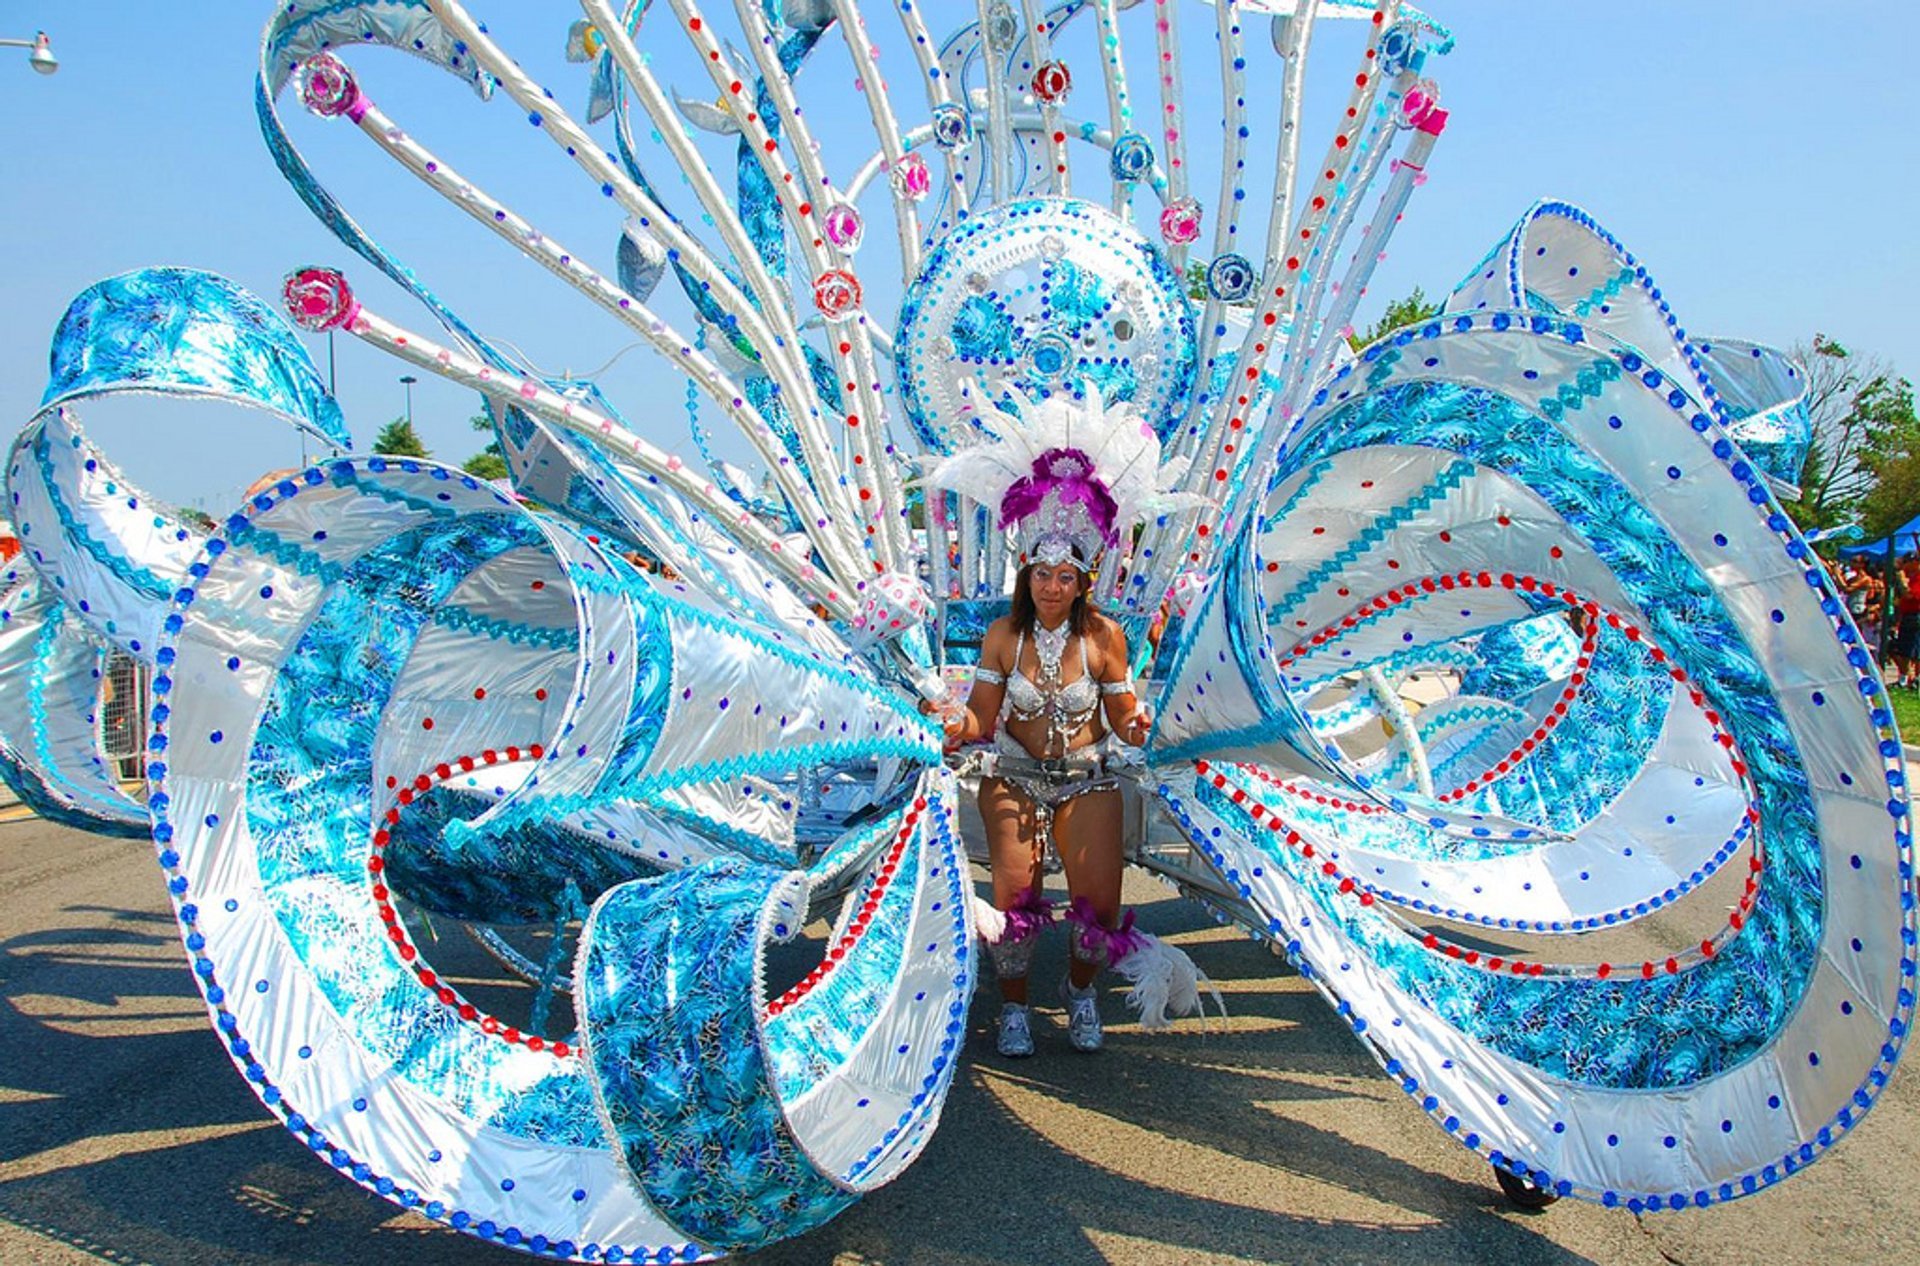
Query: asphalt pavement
{"points": [[126, 1136]]}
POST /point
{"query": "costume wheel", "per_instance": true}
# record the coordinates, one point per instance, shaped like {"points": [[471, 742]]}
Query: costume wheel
{"points": [[1525, 1194]]}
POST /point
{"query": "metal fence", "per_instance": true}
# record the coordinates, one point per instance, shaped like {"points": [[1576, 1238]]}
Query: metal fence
{"points": [[123, 714]]}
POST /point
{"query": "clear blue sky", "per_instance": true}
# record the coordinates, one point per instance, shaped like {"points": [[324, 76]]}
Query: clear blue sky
{"points": [[1758, 157]]}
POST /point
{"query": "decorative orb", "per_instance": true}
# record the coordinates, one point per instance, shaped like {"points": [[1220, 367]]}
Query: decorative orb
{"points": [[1422, 99], [1132, 157], [952, 129], [1398, 47], [836, 292], [1043, 295], [1230, 278], [1180, 221], [1001, 27], [1052, 82], [1050, 356], [327, 87], [318, 299], [843, 226], [911, 179]]}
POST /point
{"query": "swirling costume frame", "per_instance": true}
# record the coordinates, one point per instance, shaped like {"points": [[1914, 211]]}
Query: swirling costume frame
{"points": [[381, 687]]}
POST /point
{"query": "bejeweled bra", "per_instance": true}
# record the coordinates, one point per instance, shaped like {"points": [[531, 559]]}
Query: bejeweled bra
{"points": [[1065, 708], [1050, 782], [1072, 704]]}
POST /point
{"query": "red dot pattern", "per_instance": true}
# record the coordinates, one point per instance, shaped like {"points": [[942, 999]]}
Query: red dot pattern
{"points": [[1595, 616], [857, 926], [396, 932]]}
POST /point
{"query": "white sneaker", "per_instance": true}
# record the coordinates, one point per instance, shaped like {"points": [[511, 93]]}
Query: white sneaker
{"points": [[1083, 1016], [1016, 1035]]}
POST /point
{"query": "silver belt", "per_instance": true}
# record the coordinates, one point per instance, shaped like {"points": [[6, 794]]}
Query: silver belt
{"points": [[1053, 769]]}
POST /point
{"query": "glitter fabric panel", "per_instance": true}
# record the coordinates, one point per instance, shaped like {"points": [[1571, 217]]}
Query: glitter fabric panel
{"points": [[668, 1004], [178, 330]]}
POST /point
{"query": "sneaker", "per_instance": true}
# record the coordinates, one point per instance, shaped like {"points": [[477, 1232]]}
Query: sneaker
{"points": [[1083, 1016], [1016, 1037]]}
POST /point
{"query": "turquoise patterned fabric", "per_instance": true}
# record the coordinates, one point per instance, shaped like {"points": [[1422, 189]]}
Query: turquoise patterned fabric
{"points": [[1673, 1030], [310, 782], [667, 998], [185, 332]]}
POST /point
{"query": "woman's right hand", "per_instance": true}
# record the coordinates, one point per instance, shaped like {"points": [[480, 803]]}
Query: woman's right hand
{"points": [[953, 719]]}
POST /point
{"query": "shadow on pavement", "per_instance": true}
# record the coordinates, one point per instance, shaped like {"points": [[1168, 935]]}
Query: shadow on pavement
{"points": [[145, 1146]]}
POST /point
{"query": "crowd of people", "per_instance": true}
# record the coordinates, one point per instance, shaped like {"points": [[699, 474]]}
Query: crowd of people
{"points": [[1889, 618]]}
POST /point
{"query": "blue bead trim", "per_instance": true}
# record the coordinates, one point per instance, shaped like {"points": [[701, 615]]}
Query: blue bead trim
{"points": [[129, 573]]}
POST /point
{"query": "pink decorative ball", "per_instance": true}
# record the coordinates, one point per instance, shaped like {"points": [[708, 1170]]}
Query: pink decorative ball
{"points": [[327, 87], [319, 299], [1421, 104], [1180, 221], [911, 179], [844, 227]]}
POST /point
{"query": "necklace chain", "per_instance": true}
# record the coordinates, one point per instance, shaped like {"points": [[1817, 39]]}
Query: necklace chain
{"points": [[1050, 647]]}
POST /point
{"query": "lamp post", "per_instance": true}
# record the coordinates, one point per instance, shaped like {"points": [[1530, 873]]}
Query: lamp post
{"points": [[407, 381], [40, 55]]}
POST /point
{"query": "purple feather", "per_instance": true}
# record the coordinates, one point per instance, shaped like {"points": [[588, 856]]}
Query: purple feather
{"points": [[1117, 942], [1069, 472], [1029, 916]]}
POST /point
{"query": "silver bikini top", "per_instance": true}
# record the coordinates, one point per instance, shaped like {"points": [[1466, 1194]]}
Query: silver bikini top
{"points": [[1065, 708], [1072, 704]]}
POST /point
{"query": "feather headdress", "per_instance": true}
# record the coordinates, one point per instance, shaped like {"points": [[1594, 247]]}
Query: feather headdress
{"points": [[1069, 477]]}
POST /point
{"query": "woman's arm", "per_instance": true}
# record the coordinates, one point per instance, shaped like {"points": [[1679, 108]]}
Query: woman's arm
{"points": [[1126, 715]]}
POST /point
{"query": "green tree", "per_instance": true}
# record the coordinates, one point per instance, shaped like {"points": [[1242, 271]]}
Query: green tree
{"points": [[1196, 280], [1410, 310], [1863, 424], [491, 461], [1893, 456], [399, 439], [485, 465]]}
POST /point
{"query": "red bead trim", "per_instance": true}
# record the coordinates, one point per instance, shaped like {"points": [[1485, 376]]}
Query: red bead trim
{"points": [[403, 945], [857, 926]]}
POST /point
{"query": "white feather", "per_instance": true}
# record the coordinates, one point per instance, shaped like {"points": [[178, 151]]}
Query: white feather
{"points": [[1164, 983], [990, 923], [1123, 450]]}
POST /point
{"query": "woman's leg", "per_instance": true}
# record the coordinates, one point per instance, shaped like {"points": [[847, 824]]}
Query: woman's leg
{"points": [[1014, 859], [1086, 830]]}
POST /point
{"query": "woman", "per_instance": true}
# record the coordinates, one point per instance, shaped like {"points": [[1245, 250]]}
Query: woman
{"points": [[1050, 673], [1862, 594], [1053, 685]]}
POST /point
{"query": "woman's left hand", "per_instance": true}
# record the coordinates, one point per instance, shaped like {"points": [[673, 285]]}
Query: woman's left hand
{"points": [[1138, 726]]}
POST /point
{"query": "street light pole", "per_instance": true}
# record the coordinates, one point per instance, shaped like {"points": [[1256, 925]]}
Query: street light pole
{"points": [[41, 56], [407, 380]]}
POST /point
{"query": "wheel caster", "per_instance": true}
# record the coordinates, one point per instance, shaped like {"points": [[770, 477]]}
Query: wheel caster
{"points": [[1518, 1190]]}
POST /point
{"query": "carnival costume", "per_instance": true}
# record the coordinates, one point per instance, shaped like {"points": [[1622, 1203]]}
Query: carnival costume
{"points": [[380, 686]]}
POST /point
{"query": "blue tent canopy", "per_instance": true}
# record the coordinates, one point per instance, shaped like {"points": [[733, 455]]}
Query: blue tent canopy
{"points": [[1905, 540]]}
